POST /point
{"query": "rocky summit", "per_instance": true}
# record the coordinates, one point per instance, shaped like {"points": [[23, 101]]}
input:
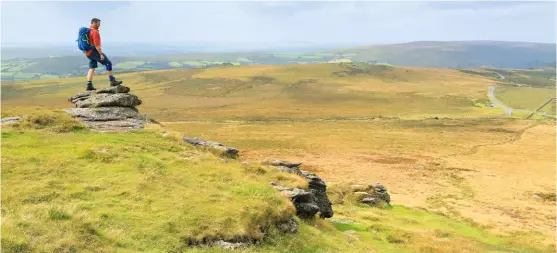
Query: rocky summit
{"points": [[110, 109]]}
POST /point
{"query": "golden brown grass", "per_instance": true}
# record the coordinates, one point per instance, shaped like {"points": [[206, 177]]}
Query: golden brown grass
{"points": [[484, 170], [298, 92]]}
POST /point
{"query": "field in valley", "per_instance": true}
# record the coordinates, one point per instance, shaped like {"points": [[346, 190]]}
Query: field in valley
{"points": [[468, 174], [44, 63]]}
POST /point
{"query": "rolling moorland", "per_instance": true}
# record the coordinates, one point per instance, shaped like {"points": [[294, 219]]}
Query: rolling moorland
{"points": [[19, 64], [462, 176]]}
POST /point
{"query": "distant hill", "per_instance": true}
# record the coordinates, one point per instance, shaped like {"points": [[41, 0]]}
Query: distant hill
{"points": [[551, 65], [457, 54], [12, 53], [469, 54]]}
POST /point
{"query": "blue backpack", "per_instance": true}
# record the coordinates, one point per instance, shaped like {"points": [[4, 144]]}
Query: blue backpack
{"points": [[83, 39]]}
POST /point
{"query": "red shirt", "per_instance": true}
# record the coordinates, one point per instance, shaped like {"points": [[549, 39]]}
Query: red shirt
{"points": [[94, 39]]}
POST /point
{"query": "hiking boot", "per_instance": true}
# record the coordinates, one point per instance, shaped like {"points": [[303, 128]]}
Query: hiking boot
{"points": [[115, 82], [90, 88]]}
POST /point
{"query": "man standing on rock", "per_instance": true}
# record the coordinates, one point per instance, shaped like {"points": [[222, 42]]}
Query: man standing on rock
{"points": [[96, 54]]}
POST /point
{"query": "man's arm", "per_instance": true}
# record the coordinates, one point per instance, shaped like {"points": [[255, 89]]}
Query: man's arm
{"points": [[97, 42], [100, 52]]}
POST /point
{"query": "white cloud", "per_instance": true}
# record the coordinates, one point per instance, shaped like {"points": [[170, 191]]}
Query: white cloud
{"points": [[280, 21]]}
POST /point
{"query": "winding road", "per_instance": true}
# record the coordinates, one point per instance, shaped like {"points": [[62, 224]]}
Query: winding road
{"points": [[508, 110], [495, 101]]}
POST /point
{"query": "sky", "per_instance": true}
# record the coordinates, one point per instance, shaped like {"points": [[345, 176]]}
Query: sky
{"points": [[275, 22]]}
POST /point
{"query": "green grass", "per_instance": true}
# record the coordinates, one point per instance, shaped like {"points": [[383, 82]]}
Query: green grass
{"points": [[533, 78], [288, 55], [141, 192], [129, 64], [46, 76], [175, 64], [243, 59], [417, 54], [543, 74], [193, 63], [529, 98], [340, 60], [7, 74], [324, 54], [124, 192], [400, 229], [488, 74], [15, 66], [211, 62], [24, 76], [311, 57]]}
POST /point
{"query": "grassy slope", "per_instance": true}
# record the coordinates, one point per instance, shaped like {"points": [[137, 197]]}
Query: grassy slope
{"points": [[464, 186], [128, 192], [298, 92], [124, 192], [460, 167], [402, 230]]}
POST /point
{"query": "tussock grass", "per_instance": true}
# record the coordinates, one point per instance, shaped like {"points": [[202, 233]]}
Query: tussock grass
{"points": [[52, 121], [126, 192], [401, 229]]}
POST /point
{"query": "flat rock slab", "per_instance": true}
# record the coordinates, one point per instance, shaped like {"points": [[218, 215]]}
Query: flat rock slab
{"points": [[104, 113], [107, 100], [294, 170], [211, 144], [116, 125], [111, 90], [295, 194], [276, 162]]}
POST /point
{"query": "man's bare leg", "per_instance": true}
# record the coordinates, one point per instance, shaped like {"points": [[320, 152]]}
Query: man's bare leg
{"points": [[90, 75]]}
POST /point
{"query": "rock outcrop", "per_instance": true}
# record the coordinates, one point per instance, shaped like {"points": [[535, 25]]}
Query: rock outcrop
{"points": [[371, 195], [308, 202], [110, 109], [228, 151]]}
